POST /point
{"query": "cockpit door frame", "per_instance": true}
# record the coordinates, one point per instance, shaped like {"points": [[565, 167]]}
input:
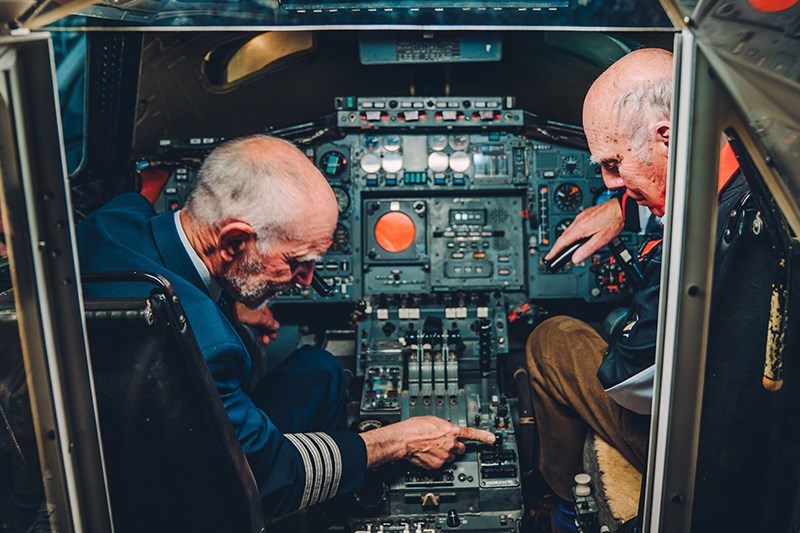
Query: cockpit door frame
{"points": [[702, 108], [47, 291]]}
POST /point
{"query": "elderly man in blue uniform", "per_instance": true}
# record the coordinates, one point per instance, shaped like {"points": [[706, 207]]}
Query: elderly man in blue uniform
{"points": [[259, 216], [579, 380]]}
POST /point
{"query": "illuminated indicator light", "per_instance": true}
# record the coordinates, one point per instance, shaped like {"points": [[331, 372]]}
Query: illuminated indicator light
{"points": [[395, 232], [771, 6]]}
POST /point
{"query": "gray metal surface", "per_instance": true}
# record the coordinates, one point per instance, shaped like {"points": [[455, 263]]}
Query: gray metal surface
{"points": [[699, 113], [47, 287]]}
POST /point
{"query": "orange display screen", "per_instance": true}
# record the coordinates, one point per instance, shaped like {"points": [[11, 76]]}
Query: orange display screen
{"points": [[395, 232]]}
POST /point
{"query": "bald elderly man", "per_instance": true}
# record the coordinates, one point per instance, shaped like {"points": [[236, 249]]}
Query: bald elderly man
{"points": [[579, 381], [258, 218]]}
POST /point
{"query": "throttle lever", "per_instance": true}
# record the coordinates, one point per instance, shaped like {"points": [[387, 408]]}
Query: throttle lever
{"points": [[561, 259], [319, 284]]}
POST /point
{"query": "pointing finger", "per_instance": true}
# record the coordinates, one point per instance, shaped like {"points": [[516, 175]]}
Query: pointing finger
{"points": [[476, 434]]}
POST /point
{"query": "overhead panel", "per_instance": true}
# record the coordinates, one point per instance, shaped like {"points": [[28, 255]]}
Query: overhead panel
{"points": [[615, 14]]}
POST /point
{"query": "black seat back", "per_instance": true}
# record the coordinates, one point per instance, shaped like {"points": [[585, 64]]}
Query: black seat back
{"points": [[173, 461]]}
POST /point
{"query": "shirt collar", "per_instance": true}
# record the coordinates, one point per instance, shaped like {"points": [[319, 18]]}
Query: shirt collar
{"points": [[213, 288]]}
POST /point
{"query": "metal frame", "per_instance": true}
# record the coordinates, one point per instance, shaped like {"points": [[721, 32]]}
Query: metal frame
{"points": [[35, 195], [700, 108]]}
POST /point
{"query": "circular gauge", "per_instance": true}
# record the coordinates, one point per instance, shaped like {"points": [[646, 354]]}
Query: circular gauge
{"points": [[437, 143], [459, 161], [438, 162], [392, 163], [371, 142], [342, 198], [340, 239], [370, 163], [561, 226], [459, 142], [392, 143], [369, 425], [571, 165], [333, 164], [568, 197], [395, 232]]}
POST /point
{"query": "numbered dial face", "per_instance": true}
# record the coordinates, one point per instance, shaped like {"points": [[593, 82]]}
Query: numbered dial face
{"points": [[571, 165], [392, 143], [369, 425], [459, 142], [372, 142], [342, 199], [568, 197], [561, 226], [333, 164], [341, 238], [437, 143]]}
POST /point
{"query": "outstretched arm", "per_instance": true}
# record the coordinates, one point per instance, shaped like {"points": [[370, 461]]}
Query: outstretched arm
{"points": [[600, 223], [425, 441]]}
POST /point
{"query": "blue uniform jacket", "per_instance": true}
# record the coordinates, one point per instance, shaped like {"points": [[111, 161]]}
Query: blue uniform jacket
{"points": [[292, 471]]}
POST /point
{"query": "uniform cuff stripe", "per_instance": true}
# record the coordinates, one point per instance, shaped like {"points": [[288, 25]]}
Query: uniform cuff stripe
{"points": [[322, 462]]}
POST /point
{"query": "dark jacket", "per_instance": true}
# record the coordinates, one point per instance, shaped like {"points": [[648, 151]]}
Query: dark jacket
{"points": [[127, 234]]}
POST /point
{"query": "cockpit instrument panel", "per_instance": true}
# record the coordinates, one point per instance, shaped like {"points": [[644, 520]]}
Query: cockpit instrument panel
{"points": [[439, 194]]}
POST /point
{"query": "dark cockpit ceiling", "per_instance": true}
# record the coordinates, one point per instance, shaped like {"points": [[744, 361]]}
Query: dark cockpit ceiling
{"points": [[546, 13], [181, 95]]}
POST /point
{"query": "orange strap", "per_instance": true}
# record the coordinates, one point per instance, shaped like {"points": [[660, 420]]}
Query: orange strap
{"points": [[623, 200], [728, 165], [648, 247]]}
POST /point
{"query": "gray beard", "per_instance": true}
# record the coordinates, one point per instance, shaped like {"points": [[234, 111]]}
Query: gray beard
{"points": [[238, 282]]}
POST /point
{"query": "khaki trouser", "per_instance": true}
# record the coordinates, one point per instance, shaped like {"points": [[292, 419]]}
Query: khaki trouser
{"points": [[563, 356]]}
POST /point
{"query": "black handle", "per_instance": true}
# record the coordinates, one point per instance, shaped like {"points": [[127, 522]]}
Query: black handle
{"points": [[561, 259]]}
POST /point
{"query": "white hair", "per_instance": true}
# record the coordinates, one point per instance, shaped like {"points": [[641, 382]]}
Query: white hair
{"points": [[245, 180], [644, 105]]}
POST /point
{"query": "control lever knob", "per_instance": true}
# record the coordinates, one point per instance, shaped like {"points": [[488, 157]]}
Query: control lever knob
{"points": [[452, 519], [498, 440]]}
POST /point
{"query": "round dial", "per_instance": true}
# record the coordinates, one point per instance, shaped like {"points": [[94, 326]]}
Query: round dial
{"points": [[342, 198], [392, 163], [437, 143], [568, 197], [459, 142], [340, 239], [333, 164], [370, 163], [392, 143], [459, 161], [438, 162], [369, 425], [571, 165], [561, 226], [371, 142]]}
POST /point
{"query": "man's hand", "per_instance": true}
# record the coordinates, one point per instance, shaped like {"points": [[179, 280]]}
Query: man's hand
{"points": [[425, 441], [261, 319], [601, 223]]}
